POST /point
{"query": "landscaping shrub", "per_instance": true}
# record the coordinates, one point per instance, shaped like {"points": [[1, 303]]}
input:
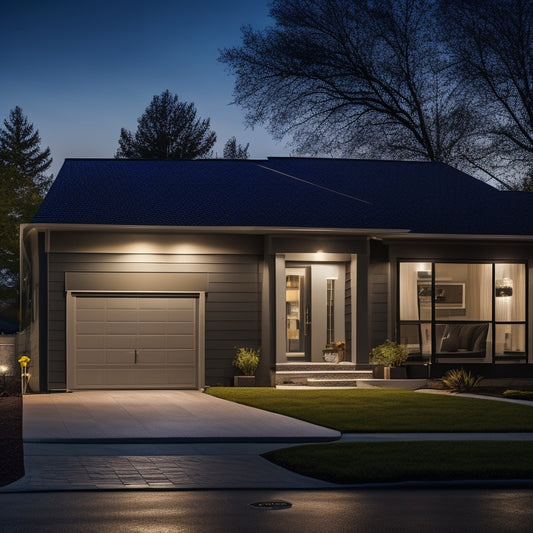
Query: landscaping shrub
{"points": [[247, 360], [519, 394], [461, 380], [389, 354]]}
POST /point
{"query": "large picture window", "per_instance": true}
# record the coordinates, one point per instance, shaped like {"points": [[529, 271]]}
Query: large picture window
{"points": [[472, 312]]}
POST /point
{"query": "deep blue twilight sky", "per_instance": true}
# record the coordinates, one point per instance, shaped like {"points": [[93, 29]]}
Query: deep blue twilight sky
{"points": [[80, 70]]}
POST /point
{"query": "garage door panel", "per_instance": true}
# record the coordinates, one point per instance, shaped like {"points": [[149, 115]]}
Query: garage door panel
{"points": [[90, 378], [90, 315], [153, 303], [152, 357], [181, 341], [120, 357], [167, 328], [179, 315], [89, 302], [151, 342], [153, 315], [121, 341], [155, 328], [91, 328], [188, 304], [186, 357], [135, 342], [121, 303], [121, 328], [91, 341], [182, 377], [119, 378], [91, 357], [121, 315]]}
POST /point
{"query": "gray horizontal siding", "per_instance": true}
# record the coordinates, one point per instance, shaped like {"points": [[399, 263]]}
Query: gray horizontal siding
{"points": [[233, 302], [378, 301]]}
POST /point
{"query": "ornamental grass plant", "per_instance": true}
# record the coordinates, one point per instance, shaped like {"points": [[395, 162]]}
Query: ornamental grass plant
{"points": [[461, 380]]}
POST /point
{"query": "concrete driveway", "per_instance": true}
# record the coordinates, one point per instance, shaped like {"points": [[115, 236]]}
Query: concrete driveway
{"points": [[157, 416]]}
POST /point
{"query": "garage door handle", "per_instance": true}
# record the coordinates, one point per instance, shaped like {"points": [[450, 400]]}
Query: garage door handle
{"points": [[135, 360]]}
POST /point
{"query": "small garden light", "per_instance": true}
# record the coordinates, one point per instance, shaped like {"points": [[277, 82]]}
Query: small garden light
{"points": [[24, 374], [3, 371]]}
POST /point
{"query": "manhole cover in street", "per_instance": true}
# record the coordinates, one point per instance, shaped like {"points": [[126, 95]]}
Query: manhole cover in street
{"points": [[276, 504]]}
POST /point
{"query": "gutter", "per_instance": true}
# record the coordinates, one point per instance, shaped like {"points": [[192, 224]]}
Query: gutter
{"points": [[375, 233]]}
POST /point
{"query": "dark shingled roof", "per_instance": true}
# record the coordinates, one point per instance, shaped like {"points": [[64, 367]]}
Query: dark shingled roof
{"points": [[422, 197]]}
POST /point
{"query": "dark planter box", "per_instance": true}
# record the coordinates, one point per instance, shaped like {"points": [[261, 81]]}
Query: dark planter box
{"points": [[390, 372], [244, 381], [398, 372]]}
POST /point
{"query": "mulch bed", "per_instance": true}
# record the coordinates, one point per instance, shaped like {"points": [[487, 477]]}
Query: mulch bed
{"points": [[12, 454]]}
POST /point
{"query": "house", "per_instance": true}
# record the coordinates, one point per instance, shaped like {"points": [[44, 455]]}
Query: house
{"points": [[149, 274]]}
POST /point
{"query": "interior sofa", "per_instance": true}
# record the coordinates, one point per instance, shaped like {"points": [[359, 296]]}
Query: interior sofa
{"points": [[462, 340]]}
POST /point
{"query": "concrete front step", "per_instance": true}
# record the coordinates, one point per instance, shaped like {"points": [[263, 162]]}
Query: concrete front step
{"points": [[318, 382], [312, 367], [287, 377]]}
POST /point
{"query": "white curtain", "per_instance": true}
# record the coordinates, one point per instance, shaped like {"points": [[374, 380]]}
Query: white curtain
{"points": [[479, 292], [409, 276]]}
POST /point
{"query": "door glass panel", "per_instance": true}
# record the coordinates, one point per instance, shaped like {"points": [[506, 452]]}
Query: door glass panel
{"points": [[330, 311], [295, 311]]}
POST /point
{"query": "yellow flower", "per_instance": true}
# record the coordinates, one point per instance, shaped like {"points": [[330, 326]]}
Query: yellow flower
{"points": [[24, 360]]}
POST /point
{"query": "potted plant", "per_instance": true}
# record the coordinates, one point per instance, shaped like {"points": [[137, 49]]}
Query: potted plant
{"points": [[334, 352], [246, 360], [390, 356]]}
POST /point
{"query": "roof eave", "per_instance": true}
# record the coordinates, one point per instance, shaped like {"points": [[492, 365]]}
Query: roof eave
{"points": [[381, 233], [258, 230]]}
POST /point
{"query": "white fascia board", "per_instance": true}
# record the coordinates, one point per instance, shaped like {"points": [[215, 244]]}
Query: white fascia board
{"points": [[458, 237], [261, 230], [379, 233]]}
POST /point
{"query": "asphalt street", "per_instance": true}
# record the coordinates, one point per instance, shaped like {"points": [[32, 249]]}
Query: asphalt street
{"points": [[454, 509]]}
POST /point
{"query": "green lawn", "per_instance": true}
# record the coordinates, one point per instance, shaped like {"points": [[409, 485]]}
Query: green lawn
{"points": [[375, 462], [385, 410]]}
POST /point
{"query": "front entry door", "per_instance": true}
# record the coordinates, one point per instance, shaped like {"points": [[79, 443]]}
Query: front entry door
{"points": [[314, 301]]}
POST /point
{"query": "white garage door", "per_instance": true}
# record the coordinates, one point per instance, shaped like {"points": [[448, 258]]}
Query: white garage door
{"points": [[135, 342]]}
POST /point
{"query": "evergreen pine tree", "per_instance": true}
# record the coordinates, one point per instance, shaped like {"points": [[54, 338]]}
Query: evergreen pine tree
{"points": [[232, 150], [20, 148], [23, 183], [168, 129]]}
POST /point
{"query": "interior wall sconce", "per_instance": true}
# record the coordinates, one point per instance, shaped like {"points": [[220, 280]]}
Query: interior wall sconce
{"points": [[504, 287]]}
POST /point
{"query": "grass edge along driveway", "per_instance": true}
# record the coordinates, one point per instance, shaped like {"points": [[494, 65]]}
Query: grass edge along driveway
{"points": [[386, 410]]}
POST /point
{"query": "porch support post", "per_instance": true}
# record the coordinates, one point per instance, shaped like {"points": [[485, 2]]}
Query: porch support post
{"points": [[265, 376], [360, 330], [280, 311]]}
